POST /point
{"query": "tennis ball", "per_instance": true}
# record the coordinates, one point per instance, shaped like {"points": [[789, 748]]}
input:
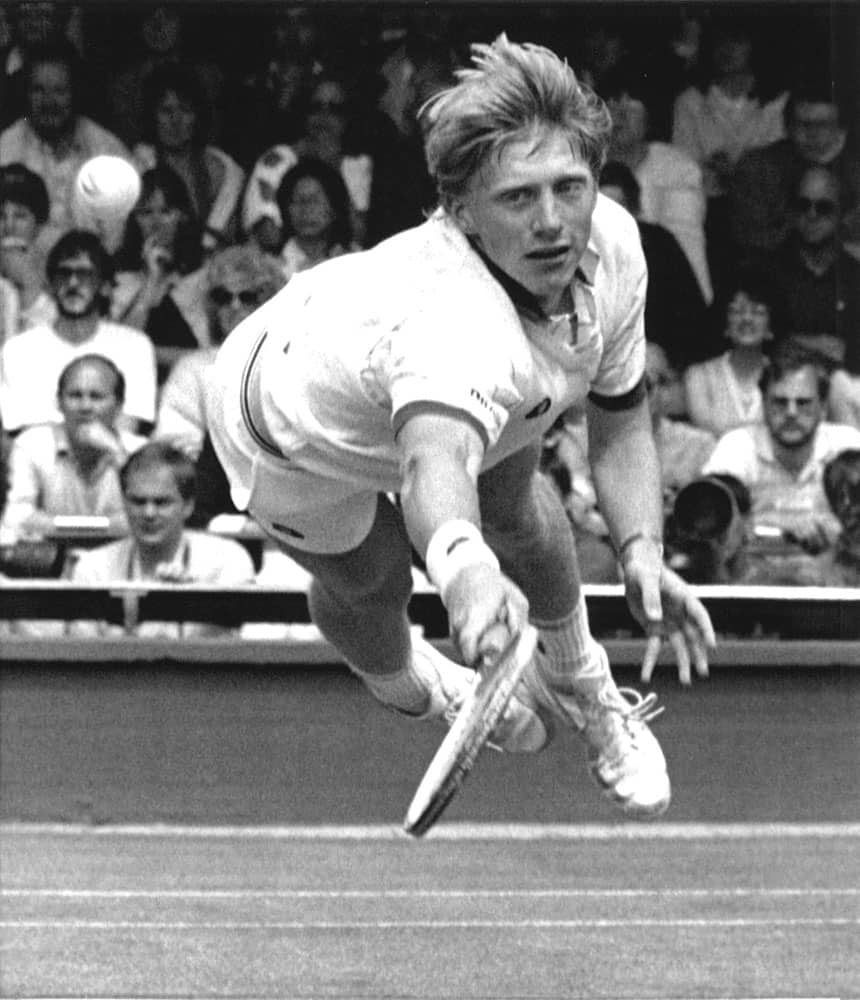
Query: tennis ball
{"points": [[107, 188]]}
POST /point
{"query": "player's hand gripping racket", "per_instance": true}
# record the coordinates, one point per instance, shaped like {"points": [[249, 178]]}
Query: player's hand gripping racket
{"points": [[477, 718]]}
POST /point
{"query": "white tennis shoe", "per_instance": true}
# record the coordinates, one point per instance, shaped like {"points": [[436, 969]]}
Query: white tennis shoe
{"points": [[448, 683], [624, 757]]}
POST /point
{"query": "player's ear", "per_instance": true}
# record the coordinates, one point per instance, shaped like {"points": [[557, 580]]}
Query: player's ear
{"points": [[460, 213]]}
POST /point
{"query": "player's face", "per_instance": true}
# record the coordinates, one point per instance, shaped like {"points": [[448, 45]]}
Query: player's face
{"points": [[793, 409], [155, 508], [76, 284], [88, 396], [529, 209]]}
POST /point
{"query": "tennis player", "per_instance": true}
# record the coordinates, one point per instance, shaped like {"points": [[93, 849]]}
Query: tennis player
{"points": [[429, 367]]}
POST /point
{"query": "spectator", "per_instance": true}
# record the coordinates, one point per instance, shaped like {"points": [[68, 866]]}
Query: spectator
{"points": [[402, 191], [723, 392], [781, 461], [330, 132], [675, 309], [670, 181], [266, 107], [317, 223], [79, 272], [722, 117], [764, 181], [238, 280], [817, 279], [162, 30], [71, 468], [54, 139], [840, 565], [31, 24], [24, 298], [160, 250], [159, 490], [177, 134]]}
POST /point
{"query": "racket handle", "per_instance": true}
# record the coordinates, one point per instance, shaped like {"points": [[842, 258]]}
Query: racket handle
{"points": [[493, 642]]}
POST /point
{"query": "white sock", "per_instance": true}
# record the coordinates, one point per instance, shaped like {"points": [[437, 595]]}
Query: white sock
{"points": [[572, 653]]}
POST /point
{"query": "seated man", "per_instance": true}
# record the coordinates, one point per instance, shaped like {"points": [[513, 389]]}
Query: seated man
{"points": [[781, 461], [79, 271], [54, 139], [72, 468], [840, 565], [817, 279], [159, 489]]}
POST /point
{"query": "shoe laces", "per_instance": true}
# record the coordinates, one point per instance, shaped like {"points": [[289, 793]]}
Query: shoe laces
{"points": [[637, 708], [628, 715]]}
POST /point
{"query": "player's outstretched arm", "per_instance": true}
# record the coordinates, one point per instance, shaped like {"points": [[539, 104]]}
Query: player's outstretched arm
{"points": [[627, 480], [441, 458]]}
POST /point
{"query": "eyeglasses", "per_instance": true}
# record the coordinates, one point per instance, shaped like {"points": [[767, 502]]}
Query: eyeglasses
{"points": [[818, 206], [224, 297], [319, 105], [65, 272]]}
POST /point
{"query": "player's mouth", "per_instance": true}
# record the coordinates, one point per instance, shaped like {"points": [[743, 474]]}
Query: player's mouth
{"points": [[551, 256]]}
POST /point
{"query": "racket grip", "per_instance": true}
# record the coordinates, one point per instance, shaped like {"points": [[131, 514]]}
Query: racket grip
{"points": [[493, 642]]}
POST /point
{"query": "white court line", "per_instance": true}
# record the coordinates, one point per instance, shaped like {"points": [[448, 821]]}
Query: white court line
{"points": [[449, 831], [340, 925], [232, 894]]}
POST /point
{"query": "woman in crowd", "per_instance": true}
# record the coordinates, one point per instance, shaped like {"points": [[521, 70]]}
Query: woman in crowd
{"points": [[177, 126], [314, 205], [236, 281], [160, 249], [723, 392], [330, 132]]}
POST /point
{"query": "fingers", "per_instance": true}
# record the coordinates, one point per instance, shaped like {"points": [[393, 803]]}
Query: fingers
{"points": [[649, 660]]}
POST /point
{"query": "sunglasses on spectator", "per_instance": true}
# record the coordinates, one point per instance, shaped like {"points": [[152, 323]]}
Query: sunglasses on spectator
{"points": [[819, 206], [65, 272], [321, 105], [224, 297]]}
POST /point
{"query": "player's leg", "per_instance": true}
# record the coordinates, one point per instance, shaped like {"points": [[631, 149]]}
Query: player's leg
{"points": [[525, 523], [358, 599]]}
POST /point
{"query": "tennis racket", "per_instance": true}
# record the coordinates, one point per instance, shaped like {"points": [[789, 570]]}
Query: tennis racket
{"points": [[477, 718]]}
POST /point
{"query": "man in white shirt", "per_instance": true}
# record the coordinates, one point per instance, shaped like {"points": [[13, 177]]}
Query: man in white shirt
{"points": [[54, 140], [431, 366], [781, 461], [79, 271]]}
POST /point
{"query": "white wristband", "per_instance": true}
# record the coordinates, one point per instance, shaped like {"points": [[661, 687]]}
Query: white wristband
{"points": [[455, 545]]}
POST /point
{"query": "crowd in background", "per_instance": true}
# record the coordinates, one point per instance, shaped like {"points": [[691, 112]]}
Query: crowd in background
{"points": [[270, 137]]}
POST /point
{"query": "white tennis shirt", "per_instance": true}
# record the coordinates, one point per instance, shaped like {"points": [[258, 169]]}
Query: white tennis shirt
{"points": [[356, 345]]}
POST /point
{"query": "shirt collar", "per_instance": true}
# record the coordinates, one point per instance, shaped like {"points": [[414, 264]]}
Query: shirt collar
{"points": [[521, 297]]}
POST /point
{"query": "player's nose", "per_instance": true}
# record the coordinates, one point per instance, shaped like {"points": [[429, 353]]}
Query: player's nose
{"points": [[547, 217]]}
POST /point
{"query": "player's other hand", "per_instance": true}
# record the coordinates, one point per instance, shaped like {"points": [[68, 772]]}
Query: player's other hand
{"points": [[666, 607], [479, 599]]}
